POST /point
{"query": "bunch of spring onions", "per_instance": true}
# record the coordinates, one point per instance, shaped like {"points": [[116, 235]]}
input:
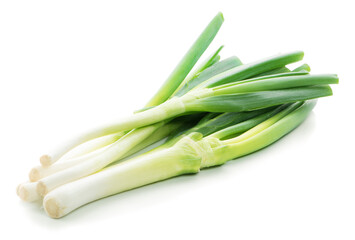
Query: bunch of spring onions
{"points": [[202, 116]]}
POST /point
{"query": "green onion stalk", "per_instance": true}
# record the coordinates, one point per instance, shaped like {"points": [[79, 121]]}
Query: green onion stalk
{"points": [[190, 153], [240, 96], [234, 95], [219, 111]]}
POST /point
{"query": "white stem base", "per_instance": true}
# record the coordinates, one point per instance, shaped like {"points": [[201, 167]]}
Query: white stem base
{"points": [[27, 192], [140, 171]]}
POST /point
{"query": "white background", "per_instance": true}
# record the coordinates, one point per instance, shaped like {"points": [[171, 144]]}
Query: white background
{"points": [[69, 65]]}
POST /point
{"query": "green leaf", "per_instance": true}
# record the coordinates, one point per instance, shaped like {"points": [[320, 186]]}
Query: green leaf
{"points": [[276, 83], [187, 62], [274, 71], [210, 72], [248, 70], [303, 67], [243, 126], [252, 101]]}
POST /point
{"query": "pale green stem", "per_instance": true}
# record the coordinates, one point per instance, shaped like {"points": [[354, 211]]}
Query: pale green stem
{"points": [[40, 172], [156, 136], [92, 145], [96, 163], [142, 170]]}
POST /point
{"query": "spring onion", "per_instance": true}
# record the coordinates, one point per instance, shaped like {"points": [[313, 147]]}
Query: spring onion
{"points": [[189, 155], [201, 117]]}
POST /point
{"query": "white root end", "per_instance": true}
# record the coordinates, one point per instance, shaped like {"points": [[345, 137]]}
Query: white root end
{"points": [[27, 192], [46, 160], [34, 175], [52, 208], [41, 189]]}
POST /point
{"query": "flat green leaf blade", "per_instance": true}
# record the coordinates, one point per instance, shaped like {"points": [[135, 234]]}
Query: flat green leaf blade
{"points": [[257, 100], [277, 83], [303, 67], [274, 71], [267, 136], [187, 62], [248, 70], [277, 75], [249, 123], [225, 120], [213, 122], [214, 58], [211, 60], [210, 72]]}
